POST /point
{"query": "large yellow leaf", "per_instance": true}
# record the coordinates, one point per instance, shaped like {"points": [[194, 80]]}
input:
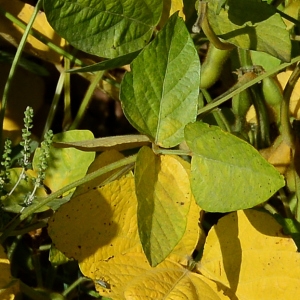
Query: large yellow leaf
{"points": [[164, 198], [247, 254], [99, 228], [101, 222], [13, 33], [129, 276], [9, 286]]}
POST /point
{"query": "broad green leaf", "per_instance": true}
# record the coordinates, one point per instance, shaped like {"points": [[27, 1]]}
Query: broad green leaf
{"points": [[248, 256], [56, 257], [121, 142], [108, 64], [267, 61], [251, 24], [66, 165], [160, 94], [107, 28], [129, 276], [164, 197], [227, 173]]}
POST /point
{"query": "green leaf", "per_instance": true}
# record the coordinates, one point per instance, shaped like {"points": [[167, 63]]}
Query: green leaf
{"points": [[56, 257], [66, 165], [160, 94], [164, 197], [227, 173], [107, 28], [118, 142], [107, 64], [251, 24], [16, 201]]}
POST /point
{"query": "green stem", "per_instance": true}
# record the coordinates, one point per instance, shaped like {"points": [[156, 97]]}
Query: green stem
{"points": [[32, 294], [287, 132], [41, 38], [74, 284], [13, 246], [297, 186], [270, 209], [29, 228], [86, 100], [67, 95], [243, 85], [14, 65], [51, 276], [202, 22], [172, 152], [37, 268], [218, 115], [54, 104], [287, 17], [262, 118], [285, 203], [45, 247], [44, 201], [244, 57]]}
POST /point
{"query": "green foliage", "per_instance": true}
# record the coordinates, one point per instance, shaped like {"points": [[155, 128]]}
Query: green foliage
{"points": [[251, 24], [134, 219], [107, 28], [212, 167], [160, 94]]}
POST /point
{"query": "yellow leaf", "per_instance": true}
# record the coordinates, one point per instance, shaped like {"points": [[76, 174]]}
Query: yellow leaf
{"points": [[292, 8], [13, 33], [102, 160], [279, 155], [129, 276], [247, 254], [184, 249], [99, 228], [101, 222], [295, 97], [9, 286], [164, 198]]}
